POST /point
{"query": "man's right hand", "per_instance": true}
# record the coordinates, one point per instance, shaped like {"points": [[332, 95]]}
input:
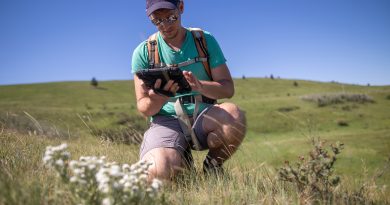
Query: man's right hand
{"points": [[149, 102], [170, 86]]}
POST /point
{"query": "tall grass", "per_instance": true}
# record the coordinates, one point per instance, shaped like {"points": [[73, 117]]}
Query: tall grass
{"points": [[24, 179]]}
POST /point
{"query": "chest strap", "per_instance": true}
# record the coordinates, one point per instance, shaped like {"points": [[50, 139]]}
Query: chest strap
{"points": [[186, 125], [186, 63], [193, 98]]}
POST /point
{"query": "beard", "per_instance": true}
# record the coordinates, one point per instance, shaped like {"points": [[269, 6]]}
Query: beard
{"points": [[170, 33]]}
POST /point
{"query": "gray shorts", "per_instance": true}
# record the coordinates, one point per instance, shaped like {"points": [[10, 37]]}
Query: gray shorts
{"points": [[165, 132]]}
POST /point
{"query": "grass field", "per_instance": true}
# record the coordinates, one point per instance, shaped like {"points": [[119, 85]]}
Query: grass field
{"points": [[102, 121]]}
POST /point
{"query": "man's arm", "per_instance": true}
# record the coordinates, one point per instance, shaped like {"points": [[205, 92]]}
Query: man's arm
{"points": [[222, 85], [149, 103]]}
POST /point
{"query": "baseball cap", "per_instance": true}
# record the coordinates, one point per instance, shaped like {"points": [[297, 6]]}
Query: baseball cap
{"points": [[153, 5]]}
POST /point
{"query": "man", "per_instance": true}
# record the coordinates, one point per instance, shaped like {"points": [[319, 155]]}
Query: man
{"points": [[220, 128]]}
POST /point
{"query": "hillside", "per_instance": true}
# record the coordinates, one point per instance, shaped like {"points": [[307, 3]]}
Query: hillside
{"points": [[280, 121]]}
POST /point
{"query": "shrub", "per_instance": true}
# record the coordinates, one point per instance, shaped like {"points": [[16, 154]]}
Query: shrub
{"points": [[94, 82], [313, 175], [337, 98], [346, 108], [92, 180], [342, 123], [288, 109]]}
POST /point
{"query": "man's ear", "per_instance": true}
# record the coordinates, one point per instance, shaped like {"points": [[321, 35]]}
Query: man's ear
{"points": [[181, 7]]}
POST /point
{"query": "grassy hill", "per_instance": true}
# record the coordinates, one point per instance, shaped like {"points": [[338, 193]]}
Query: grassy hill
{"points": [[280, 125]]}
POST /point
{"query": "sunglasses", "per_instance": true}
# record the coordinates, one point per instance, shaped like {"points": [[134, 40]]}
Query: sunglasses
{"points": [[170, 20]]}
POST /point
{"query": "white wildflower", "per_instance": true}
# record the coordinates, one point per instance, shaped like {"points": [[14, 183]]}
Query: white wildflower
{"points": [[143, 177], [106, 201], [62, 146], [91, 166], [115, 171], [59, 162], [72, 164], [156, 184], [73, 179], [47, 159], [77, 171]]}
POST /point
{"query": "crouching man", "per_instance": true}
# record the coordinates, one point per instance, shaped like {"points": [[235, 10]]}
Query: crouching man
{"points": [[190, 121]]}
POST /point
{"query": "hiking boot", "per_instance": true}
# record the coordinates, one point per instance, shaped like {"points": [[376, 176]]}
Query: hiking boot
{"points": [[211, 167]]}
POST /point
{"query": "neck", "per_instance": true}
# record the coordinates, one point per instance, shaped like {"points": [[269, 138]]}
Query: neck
{"points": [[176, 42]]}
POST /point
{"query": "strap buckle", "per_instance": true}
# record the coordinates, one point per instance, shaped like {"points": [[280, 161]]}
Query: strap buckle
{"points": [[187, 99], [153, 42]]}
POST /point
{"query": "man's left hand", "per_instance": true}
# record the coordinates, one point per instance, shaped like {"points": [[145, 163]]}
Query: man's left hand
{"points": [[194, 82]]}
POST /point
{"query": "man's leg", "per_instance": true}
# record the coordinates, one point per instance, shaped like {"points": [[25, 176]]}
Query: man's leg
{"points": [[167, 162], [226, 126], [164, 145]]}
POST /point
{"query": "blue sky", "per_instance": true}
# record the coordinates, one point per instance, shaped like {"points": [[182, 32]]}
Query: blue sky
{"points": [[323, 40]]}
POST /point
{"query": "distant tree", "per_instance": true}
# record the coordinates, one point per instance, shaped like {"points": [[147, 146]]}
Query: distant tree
{"points": [[272, 76], [368, 85], [295, 83], [94, 82], [243, 77]]}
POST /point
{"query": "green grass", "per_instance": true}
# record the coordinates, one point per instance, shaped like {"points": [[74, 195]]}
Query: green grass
{"points": [[280, 124]]}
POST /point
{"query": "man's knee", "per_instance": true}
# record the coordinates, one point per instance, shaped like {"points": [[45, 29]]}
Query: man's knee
{"points": [[225, 116], [233, 111], [166, 163], [234, 119], [227, 127]]}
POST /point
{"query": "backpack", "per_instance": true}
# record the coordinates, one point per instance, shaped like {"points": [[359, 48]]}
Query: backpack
{"points": [[201, 47]]}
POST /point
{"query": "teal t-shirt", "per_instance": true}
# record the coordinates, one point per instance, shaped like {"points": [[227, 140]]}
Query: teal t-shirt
{"points": [[169, 56]]}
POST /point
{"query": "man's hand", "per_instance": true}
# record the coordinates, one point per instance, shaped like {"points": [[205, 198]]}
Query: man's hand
{"points": [[221, 87], [194, 82], [170, 86], [149, 102]]}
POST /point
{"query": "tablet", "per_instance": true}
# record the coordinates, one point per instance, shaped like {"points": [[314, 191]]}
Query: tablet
{"points": [[149, 77]]}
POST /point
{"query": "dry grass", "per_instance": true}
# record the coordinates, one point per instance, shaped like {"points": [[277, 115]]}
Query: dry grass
{"points": [[23, 178]]}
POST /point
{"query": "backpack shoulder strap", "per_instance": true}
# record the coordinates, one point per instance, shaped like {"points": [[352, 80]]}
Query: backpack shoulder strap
{"points": [[153, 56], [201, 46]]}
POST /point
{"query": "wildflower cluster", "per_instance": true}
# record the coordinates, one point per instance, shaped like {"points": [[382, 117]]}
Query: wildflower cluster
{"points": [[95, 181], [126, 184], [57, 157]]}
